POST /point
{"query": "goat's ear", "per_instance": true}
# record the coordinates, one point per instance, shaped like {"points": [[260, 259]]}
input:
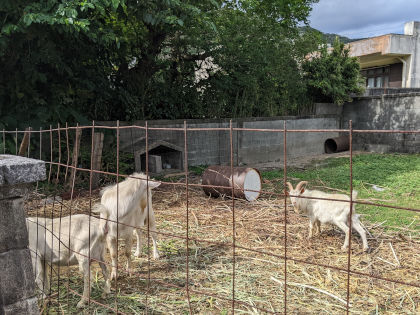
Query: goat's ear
{"points": [[302, 190], [286, 192], [154, 184]]}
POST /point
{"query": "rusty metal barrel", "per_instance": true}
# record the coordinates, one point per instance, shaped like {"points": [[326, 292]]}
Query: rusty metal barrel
{"points": [[247, 182], [338, 144]]}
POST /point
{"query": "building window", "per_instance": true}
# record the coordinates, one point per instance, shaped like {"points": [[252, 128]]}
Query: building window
{"points": [[376, 77]]}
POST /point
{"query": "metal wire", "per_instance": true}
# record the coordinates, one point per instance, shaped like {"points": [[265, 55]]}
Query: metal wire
{"points": [[90, 194], [285, 213], [187, 268], [233, 218], [350, 218], [233, 245], [148, 217]]}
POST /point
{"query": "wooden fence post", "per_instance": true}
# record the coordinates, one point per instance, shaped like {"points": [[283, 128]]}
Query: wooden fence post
{"points": [[98, 144]]}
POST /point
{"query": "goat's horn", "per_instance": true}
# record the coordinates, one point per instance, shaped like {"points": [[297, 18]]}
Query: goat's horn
{"points": [[290, 186], [300, 184]]}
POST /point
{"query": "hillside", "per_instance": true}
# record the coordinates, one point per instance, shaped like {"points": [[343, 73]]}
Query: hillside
{"points": [[330, 37]]}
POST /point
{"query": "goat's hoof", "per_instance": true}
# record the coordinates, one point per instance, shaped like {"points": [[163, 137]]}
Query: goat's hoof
{"points": [[344, 248], [113, 275], [107, 289], [137, 253], [81, 304], [156, 256], [366, 249]]}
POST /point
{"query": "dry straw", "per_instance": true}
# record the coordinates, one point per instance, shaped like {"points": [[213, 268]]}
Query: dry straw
{"points": [[259, 226]]}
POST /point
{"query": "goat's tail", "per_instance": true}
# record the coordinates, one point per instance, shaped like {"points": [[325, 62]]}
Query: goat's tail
{"points": [[99, 208], [104, 216], [354, 216]]}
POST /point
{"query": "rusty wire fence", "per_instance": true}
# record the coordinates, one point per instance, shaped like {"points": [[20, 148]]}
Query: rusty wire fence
{"points": [[60, 168]]}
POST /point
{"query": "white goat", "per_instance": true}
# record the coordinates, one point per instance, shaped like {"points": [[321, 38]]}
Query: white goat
{"points": [[326, 211], [132, 203], [49, 244]]}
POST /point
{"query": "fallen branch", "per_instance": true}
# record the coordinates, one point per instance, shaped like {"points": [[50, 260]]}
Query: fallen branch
{"points": [[313, 288], [386, 261], [377, 225], [395, 255]]}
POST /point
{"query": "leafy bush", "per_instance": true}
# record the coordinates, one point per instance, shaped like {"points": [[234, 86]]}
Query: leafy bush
{"points": [[333, 75]]}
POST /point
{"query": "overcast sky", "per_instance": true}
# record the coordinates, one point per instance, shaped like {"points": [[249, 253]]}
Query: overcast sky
{"points": [[363, 18]]}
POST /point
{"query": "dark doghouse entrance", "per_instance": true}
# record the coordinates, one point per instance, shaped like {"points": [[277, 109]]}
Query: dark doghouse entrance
{"points": [[163, 156]]}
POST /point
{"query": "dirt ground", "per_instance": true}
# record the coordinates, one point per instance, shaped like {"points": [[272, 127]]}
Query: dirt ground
{"points": [[258, 262]]}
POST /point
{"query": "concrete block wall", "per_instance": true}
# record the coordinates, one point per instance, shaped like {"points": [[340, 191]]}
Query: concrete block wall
{"points": [[395, 112], [262, 147], [392, 112], [250, 147]]}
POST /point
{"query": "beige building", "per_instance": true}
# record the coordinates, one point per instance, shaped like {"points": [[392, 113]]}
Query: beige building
{"points": [[391, 60]]}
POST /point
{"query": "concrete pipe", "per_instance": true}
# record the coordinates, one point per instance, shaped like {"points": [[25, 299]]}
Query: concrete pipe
{"points": [[247, 182], [338, 144]]}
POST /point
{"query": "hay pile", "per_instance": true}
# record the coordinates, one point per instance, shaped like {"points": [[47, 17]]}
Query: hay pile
{"points": [[259, 276]]}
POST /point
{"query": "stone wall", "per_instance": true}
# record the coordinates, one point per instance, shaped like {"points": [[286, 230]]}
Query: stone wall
{"points": [[386, 112], [17, 286]]}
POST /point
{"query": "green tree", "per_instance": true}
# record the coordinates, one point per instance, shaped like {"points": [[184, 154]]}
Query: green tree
{"points": [[137, 59], [259, 60], [333, 75]]}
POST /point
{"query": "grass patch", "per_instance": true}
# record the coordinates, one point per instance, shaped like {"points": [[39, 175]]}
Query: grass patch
{"points": [[397, 174]]}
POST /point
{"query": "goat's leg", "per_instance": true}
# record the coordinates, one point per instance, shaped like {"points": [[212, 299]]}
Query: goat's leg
{"points": [[311, 228], [45, 282], [317, 227], [107, 288], [40, 275], [128, 245], [362, 233], [154, 235], [139, 243], [84, 267], [112, 245], [345, 229]]}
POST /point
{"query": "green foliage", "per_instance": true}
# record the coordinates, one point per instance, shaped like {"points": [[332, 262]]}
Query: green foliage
{"points": [[398, 174], [136, 59], [259, 67], [52, 60], [333, 75], [198, 169], [329, 38]]}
